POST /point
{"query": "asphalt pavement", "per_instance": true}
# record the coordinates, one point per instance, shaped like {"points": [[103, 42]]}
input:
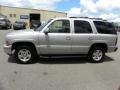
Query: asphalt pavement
{"points": [[69, 73]]}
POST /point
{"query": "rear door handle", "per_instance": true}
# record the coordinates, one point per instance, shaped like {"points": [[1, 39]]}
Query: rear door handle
{"points": [[68, 38]]}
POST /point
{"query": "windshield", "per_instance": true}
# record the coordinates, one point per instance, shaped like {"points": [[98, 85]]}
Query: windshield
{"points": [[42, 26]]}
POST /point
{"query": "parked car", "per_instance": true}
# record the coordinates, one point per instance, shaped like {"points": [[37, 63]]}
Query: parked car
{"points": [[117, 28], [5, 23], [64, 36], [35, 24], [18, 25]]}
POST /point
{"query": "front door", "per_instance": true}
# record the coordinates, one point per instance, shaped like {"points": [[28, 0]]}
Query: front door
{"points": [[59, 38]]}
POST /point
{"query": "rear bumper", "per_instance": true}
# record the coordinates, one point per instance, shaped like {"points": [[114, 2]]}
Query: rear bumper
{"points": [[7, 49], [112, 49], [18, 27]]}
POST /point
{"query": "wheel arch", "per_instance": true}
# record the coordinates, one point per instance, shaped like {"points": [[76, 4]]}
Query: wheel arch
{"points": [[103, 45], [16, 44]]}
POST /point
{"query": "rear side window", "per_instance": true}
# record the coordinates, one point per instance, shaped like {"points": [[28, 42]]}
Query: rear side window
{"points": [[105, 27], [82, 26]]}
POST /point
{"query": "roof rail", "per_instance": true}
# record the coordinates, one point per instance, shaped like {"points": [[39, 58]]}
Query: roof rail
{"points": [[78, 17], [99, 19], [89, 18]]}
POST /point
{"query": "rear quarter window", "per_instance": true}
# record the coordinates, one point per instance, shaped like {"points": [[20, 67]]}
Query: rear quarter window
{"points": [[105, 27]]}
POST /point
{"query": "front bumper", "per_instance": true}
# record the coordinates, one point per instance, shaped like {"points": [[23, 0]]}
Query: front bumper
{"points": [[1, 25], [7, 49]]}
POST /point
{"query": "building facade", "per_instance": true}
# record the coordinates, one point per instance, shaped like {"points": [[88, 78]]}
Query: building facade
{"points": [[27, 15]]}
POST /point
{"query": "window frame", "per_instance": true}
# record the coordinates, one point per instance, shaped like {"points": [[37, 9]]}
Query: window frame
{"points": [[83, 21], [60, 20]]}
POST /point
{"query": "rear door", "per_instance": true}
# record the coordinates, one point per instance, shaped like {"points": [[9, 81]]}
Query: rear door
{"points": [[82, 37]]}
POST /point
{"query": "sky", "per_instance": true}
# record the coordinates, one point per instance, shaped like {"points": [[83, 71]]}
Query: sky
{"points": [[106, 9]]}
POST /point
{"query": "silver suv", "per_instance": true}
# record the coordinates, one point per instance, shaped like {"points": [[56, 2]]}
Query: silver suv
{"points": [[63, 36]]}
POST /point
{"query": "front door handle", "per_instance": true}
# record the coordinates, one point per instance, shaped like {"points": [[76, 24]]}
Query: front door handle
{"points": [[68, 38], [90, 38]]}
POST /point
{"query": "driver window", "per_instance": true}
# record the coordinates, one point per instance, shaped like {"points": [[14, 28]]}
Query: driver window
{"points": [[60, 26]]}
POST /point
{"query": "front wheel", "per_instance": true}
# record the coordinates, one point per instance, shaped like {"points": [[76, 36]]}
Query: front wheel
{"points": [[24, 54], [96, 54]]}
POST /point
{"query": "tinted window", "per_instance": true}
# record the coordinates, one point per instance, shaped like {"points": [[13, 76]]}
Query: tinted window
{"points": [[60, 26], [105, 27], [82, 27]]}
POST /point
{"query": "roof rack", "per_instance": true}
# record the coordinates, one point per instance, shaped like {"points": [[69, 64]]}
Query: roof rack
{"points": [[96, 18], [78, 17], [90, 18]]}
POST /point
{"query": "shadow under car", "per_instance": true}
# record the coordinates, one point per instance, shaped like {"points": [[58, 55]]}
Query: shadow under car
{"points": [[61, 60]]}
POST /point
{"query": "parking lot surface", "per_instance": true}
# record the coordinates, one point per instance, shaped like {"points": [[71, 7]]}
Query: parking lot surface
{"points": [[69, 73]]}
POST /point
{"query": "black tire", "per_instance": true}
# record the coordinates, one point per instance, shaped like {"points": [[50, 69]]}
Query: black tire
{"points": [[31, 51], [14, 28], [24, 27], [91, 56], [5, 27], [10, 27]]}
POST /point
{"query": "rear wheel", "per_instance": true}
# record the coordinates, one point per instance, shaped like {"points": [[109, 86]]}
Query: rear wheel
{"points": [[7, 27], [24, 54], [10, 26], [96, 54]]}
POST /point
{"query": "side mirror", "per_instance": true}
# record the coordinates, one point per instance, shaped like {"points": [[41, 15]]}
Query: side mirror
{"points": [[47, 31]]}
